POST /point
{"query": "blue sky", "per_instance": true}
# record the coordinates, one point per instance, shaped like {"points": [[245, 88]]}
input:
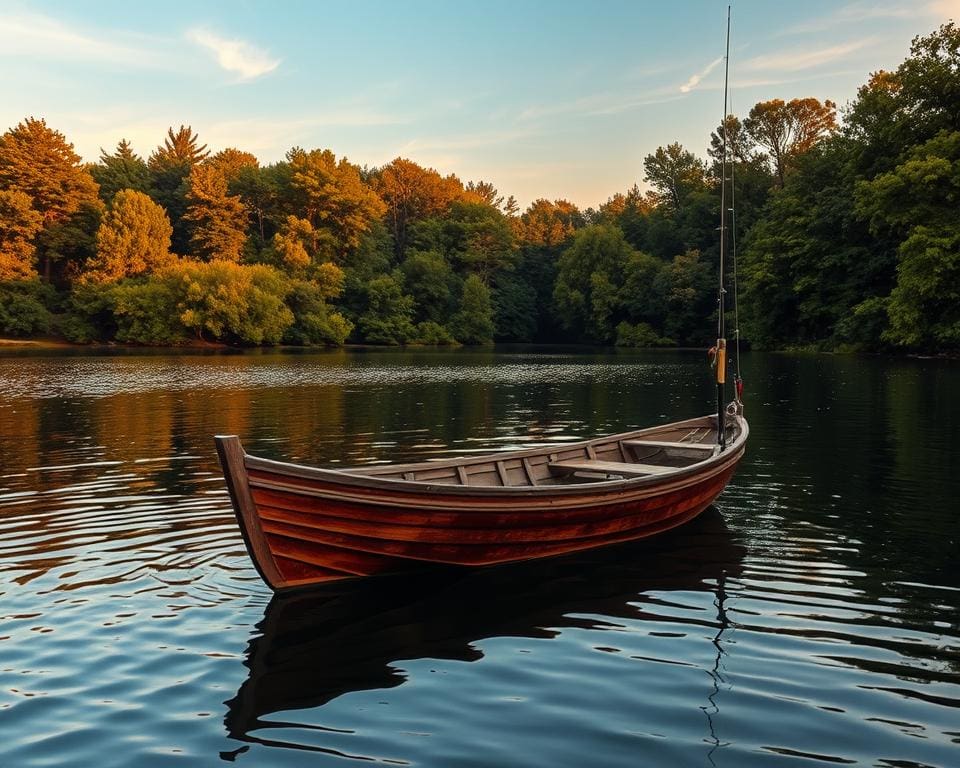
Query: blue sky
{"points": [[544, 99]]}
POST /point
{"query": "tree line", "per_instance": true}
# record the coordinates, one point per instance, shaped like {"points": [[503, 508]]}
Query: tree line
{"points": [[846, 234]]}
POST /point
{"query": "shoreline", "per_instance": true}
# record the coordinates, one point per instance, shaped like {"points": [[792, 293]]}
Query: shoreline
{"points": [[37, 343], [197, 345]]}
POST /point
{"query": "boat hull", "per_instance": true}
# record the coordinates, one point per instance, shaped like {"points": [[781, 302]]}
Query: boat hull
{"points": [[305, 526]]}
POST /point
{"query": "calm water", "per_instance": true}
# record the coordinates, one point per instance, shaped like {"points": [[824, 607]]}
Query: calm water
{"points": [[811, 618]]}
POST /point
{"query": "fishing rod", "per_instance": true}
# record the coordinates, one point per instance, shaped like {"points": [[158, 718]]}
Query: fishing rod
{"points": [[721, 354]]}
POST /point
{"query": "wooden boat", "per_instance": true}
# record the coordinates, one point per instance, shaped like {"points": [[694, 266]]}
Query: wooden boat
{"points": [[305, 525]]}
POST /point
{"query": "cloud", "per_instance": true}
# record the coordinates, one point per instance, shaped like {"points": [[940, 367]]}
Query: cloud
{"points": [[610, 103], [33, 34], [696, 78], [852, 14], [242, 58], [859, 12], [793, 61]]}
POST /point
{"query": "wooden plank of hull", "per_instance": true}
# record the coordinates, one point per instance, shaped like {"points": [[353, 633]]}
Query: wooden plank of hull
{"points": [[343, 543], [468, 526], [304, 526], [321, 555], [487, 547]]}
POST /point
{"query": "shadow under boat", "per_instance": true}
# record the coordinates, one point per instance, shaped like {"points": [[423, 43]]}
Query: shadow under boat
{"points": [[315, 646]]}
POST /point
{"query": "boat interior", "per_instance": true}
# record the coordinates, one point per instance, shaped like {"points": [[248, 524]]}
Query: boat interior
{"points": [[644, 453]]}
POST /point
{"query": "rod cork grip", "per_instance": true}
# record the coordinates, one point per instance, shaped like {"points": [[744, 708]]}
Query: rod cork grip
{"points": [[721, 361]]}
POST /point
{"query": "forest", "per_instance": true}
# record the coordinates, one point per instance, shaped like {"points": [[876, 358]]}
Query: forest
{"points": [[846, 236]]}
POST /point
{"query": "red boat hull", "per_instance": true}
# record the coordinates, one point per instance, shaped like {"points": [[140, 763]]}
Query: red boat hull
{"points": [[306, 526]]}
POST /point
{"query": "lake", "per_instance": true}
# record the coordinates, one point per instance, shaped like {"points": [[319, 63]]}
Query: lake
{"points": [[811, 617]]}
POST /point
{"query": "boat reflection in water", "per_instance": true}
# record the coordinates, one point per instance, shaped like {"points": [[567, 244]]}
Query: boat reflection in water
{"points": [[315, 646]]}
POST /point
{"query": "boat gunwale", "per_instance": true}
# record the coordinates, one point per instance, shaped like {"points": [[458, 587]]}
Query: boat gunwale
{"points": [[403, 487]]}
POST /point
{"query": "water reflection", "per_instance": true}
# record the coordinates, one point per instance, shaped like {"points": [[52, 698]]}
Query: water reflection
{"points": [[822, 627], [316, 646]]}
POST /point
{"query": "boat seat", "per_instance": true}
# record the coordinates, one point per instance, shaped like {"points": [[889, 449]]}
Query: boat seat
{"points": [[667, 446], [609, 467]]}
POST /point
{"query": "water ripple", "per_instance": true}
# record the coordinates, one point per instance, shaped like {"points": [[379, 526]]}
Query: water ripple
{"points": [[811, 619]]}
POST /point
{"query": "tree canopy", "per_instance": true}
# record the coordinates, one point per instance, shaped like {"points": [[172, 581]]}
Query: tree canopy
{"points": [[846, 233]]}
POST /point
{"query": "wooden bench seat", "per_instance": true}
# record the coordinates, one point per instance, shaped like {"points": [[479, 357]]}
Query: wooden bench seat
{"points": [[701, 447], [609, 467]]}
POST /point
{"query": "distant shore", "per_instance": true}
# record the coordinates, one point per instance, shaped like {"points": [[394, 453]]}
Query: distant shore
{"points": [[42, 343]]}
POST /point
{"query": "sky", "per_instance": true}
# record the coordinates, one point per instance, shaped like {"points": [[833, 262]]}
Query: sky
{"points": [[543, 98]]}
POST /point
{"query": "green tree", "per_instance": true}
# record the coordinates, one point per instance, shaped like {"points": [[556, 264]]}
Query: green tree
{"points": [[388, 318], [741, 145], [219, 220], [373, 259], [170, 165], [639, 335], [230, 302], [40, 163], [261, 190], [479, 238], [917, 203], [675, 174], [639, 296], [874, 124], [589, 277], [133, 238], [314, 322], [24, 307], [631, 212], [516, 314], [71, 244], [430, 280], [434, 334], [929, 82], [473, 323], [689, 285], [543, 230], [147, 312], [124, 169], [19, 224]]}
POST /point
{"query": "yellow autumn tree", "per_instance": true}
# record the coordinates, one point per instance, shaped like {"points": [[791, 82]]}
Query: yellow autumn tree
{"points": [[133, 238], [19, 223], [333, 197], [412, 192], [40, 163], [218, 219]]}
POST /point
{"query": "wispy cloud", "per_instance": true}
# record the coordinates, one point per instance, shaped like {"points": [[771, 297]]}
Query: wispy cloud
{"points": [[237, 56], [853, 13], [697, 77], [793, 61], [609, 103], [859, 12], [33, 34]]}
